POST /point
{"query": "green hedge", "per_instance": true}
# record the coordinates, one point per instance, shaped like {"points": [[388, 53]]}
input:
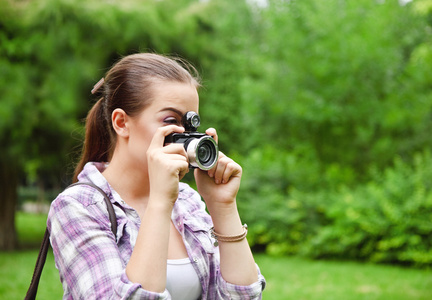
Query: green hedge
{"points": [[388, 219]]}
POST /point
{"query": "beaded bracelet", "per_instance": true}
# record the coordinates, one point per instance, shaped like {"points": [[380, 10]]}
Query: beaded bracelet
{"points": [[228, 238]]}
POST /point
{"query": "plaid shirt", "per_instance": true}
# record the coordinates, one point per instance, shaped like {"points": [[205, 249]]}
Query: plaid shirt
{"points": [[92, 263]]}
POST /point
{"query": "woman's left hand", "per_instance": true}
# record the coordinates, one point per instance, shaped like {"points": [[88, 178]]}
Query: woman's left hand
{"points": [[219, 185]]}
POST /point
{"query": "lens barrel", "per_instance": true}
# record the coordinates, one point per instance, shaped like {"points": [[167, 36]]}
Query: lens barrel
{"points": [[202, 152]]}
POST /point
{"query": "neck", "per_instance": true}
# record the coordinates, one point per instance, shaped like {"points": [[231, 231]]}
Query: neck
{"points": [[130, 180]]}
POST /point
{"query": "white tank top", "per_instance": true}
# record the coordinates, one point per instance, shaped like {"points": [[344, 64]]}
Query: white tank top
{"points": [[182, 280]]}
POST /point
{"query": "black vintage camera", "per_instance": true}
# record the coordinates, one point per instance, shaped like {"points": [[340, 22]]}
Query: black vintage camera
{"points": [[202, 150]]}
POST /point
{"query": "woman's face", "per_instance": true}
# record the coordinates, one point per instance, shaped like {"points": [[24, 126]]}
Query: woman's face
{"points": [[171, 100]]}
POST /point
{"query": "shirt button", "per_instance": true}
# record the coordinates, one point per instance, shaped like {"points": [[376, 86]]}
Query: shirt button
{"points": [[195, 259]]}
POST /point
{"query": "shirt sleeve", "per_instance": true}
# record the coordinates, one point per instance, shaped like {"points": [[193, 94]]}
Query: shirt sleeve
{"points": [[200, 222], [253, 291], [86, 253]]}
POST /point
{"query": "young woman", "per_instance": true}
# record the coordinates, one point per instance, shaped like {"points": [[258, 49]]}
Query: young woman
{"points": [[165, 246]]}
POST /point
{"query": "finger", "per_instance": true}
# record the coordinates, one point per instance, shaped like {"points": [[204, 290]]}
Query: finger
{"points": [[220, 170], [175, 164], [160, 134], [184, 171], [175, 148], [175, 157], [212, 171], [169, 150], [231, 169], [213, 133], [180, 164]]}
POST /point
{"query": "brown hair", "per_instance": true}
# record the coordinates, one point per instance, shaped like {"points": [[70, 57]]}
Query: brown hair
{"points": [[127, 85]]}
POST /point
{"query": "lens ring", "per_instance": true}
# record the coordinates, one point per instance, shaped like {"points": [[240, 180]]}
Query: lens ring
{"points": [[203, 152]]}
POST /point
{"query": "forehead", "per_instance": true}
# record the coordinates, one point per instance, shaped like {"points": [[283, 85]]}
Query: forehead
{"points": [[182, 96]]}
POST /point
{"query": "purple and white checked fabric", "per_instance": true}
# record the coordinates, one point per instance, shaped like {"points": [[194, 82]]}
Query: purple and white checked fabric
{"points": [[92, 263]]}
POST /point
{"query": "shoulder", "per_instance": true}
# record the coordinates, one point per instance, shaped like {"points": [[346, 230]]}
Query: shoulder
{"points": [[80, 205], [76, 197]]}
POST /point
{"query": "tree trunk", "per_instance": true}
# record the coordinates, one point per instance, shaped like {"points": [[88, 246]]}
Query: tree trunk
{"points": [[8, 200]]}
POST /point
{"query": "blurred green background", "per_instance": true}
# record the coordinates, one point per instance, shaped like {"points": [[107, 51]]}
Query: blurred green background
{"points": [[327, 105]]}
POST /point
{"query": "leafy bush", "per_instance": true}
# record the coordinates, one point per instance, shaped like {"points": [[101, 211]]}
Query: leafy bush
{"points": [[387, 219], [278, 220]]}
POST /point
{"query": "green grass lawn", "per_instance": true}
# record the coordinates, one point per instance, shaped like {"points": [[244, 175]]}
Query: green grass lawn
{"points": [[287, 277], [16, 270], [298, 278]]}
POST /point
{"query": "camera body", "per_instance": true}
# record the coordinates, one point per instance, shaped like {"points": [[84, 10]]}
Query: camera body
{"points": [[202, 150]]}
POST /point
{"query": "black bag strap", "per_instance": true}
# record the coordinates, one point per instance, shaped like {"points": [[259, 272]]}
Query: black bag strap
{"points": [[40, 262]]}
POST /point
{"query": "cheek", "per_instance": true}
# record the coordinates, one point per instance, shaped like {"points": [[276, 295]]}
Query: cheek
{"points": [[143, 137]]}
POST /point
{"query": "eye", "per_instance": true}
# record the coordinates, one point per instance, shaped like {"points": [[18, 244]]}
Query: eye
{"points": [[171, 120]]}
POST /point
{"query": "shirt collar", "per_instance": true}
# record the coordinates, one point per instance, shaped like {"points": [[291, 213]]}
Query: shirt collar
{"points": [[92, 172]]}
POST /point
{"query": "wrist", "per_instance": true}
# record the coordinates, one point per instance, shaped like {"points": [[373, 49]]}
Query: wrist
{"points": [[159, 205], [226, 219], [222, 210], [229, 238]]}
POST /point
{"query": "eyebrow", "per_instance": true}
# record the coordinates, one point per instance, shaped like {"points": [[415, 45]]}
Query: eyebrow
{"points": [[175, 110]]}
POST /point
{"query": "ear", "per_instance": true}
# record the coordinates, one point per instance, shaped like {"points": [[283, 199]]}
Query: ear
{"points": [[119, 120]]}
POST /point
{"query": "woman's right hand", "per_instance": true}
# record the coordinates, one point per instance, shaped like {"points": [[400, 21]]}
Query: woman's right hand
{"points": [[167, 165]]}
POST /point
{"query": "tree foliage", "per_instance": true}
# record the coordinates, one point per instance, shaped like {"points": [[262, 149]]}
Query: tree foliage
{"points": [[320, 101], [52, 51]]}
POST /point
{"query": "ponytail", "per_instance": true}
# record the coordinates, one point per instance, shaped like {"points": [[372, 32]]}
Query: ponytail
{"points": [[97, 144]]}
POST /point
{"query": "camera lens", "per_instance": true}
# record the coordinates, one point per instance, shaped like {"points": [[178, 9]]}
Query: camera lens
{"points": [[203, 152]]}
